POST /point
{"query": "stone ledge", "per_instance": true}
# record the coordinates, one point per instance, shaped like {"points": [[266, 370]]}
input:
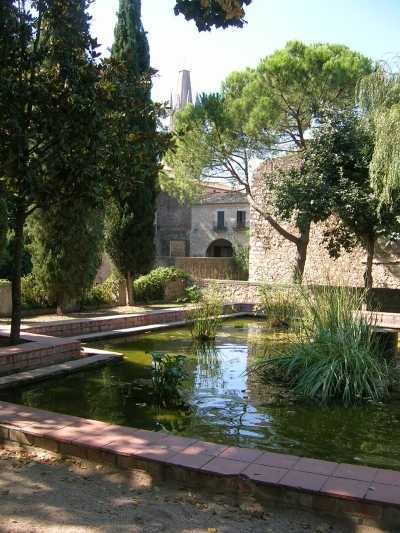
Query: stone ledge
{"points": [[93, 358], [372, 495]]}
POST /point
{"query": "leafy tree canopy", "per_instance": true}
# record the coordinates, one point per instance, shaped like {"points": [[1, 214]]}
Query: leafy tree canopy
{"points": [[290, 88], [379, 97], [213, 13], [337, 181]]}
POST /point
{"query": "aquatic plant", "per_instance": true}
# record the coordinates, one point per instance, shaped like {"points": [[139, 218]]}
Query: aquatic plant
{"points": [[334, 355], [168, 374], [279, 305], [208, 363], [206, 317]]}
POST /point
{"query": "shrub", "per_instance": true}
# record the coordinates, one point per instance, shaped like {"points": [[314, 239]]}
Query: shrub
{"points": [[192, 295], [335, 355], [105, 293], [168, 373], [151, 286], [279, 304], [33, 295], [241, 256], [206, 317]]}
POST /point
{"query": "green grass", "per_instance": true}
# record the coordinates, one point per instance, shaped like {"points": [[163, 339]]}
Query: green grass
{"points": [[334, 355], [206, 317], [279, 305]]}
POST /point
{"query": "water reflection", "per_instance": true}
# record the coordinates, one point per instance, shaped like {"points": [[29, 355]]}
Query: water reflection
{"points": [[222, 401]]}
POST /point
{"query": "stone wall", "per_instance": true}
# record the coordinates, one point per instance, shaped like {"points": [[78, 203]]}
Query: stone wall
{"points": [[232, 291], [209, 267], [247, 292], [272, 258], [5, 298]]}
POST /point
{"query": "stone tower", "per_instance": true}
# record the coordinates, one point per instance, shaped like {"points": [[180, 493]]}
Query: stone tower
{"points": [[183, 94]]}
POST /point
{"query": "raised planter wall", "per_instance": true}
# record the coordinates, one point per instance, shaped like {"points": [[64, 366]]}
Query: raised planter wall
{"points": [[38, 352]]}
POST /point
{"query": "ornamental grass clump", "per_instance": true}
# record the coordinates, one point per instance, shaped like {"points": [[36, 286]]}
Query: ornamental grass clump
{"points": [[206, 317], [279, 304], [334, 355]]}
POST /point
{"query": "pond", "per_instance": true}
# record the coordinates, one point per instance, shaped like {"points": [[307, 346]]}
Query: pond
{"points": [[221, 401]]}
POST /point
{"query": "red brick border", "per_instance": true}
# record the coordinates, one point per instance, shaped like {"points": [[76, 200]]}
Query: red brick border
{"points": [[371, 495]]}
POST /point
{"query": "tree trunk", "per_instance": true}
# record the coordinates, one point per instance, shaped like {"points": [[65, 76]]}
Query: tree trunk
{"points": [[301, 254], [129, 288], [17, 274], [370, 248]]}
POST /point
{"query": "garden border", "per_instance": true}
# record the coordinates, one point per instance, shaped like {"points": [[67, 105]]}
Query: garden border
{"points": [[370, 496]]}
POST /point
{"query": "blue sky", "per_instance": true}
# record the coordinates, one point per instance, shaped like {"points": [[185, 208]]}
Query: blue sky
{"points": [[369, 26]]}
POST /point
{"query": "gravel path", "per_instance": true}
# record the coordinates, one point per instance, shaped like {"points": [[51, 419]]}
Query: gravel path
{"points": [[40, 492]]}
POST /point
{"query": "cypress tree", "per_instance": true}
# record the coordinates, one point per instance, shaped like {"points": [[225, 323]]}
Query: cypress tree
{"points": [[131, 211], [67, 235], [48, 115]]}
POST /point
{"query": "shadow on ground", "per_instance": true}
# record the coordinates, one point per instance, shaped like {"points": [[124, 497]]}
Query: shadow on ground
{"points": [[40, 492]]}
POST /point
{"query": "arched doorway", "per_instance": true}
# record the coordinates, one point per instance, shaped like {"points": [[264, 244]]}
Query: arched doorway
{"points": [[220, 248]]}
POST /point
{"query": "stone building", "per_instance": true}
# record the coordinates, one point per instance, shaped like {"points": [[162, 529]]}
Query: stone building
{"points": [[219, 222], [210, 227], [272, 258]]}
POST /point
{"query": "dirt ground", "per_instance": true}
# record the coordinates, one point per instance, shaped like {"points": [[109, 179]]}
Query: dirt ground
{"points": [[41, 492]]}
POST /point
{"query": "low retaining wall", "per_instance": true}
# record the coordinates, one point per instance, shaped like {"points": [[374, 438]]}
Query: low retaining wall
{"points": [[36, 352], [363, 495], [209, 267], [233, 290], [386, 300]]}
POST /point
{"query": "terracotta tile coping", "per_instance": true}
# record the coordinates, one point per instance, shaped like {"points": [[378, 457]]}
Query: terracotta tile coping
{"points": [[354, 483]]}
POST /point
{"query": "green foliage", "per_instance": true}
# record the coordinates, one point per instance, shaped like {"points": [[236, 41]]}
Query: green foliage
{"points": [[66, 249], [209, 13], [241, 256], [105, 293], [49, 117], [206, 317], [7, 266], [334, 356], [33, 294], [379, 98], [151, 286], [131, 121], [337, 181], [279, 305], [168, 373], [193, 294], [3, 225], [291, 87]]}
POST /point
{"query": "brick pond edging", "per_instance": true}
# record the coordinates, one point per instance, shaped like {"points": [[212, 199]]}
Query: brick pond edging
{"points": [[81, 326], [58, 342], [370, 496]]}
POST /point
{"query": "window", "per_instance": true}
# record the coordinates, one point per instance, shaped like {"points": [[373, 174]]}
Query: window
{"points": [[220, 219], [241, 219]]}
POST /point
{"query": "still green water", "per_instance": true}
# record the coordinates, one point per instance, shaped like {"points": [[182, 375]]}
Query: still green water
{"points": [[221, 401]]}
